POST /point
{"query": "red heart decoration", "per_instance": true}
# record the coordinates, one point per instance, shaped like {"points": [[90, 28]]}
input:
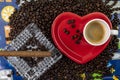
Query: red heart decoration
{"points": [[67, 31]]}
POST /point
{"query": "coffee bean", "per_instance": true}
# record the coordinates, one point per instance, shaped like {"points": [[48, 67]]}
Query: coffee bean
{"points": [[66, 31], [77, 31], [80, 37], [71, 21], [117, 40], [74, 36], [77, 42], [73, 25]]}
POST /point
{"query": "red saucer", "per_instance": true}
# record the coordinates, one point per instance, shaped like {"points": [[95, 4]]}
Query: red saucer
{"points": [[80, 53]]}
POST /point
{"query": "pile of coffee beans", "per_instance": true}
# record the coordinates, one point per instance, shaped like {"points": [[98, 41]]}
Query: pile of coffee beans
{"points": [[44, 12]]}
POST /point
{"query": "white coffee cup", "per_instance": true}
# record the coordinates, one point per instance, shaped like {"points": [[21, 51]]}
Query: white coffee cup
{"points": [[107, 34]]}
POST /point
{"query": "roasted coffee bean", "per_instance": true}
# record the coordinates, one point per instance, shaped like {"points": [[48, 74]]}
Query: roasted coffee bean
{"points": [[80, 37], [116, 40], [73, 25], [77, 42], [66, 31], [43, 13], [71, 21], [77, 31], [74, 36]]}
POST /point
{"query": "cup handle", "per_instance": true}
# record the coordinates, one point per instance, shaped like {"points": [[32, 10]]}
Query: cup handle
{"points": [[114, 32]]}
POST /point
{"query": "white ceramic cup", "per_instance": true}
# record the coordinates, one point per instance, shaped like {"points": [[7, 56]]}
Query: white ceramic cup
{"points": [[106, 36]]}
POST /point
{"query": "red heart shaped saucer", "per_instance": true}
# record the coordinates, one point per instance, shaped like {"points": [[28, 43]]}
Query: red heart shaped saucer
{"points": [[67, 31]]}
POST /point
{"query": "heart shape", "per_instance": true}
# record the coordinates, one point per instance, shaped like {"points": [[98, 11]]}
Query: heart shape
{"points": [[67, 31]]}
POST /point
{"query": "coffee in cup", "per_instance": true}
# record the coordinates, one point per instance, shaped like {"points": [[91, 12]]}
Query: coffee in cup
{"points": [[97, 32]]}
